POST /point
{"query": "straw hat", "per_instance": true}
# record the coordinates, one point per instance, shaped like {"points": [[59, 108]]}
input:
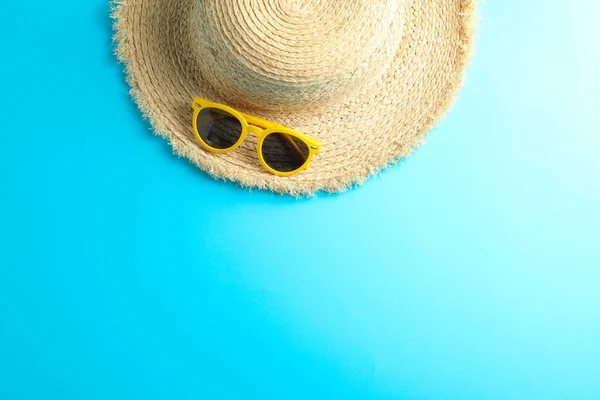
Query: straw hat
{"points": [[367, 78]]}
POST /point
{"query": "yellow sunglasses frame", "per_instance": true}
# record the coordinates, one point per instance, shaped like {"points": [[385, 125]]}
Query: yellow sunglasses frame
{"points": [[261, 128]]}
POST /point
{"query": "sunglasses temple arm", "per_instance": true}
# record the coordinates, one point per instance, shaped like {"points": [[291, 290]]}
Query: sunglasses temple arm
{"points": [[295, 147]]}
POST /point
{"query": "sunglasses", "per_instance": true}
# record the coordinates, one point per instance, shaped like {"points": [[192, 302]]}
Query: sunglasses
{"points": [[221, 129]]}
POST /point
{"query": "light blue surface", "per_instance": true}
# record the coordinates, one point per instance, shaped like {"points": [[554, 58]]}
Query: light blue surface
{"points": [[471, 271]]}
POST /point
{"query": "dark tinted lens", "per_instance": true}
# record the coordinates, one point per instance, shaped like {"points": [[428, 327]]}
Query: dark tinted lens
{"points": [[284, 153], [218, 128]]}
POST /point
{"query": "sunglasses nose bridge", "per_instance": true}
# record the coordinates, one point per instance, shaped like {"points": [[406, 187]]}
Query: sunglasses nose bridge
{"points": [[255, 129]]}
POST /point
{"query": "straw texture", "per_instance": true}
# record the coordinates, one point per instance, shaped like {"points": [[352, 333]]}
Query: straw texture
{"points": [[368, 78]]}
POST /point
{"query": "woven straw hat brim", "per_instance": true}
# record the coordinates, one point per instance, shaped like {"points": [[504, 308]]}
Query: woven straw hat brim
{"points": [[362, 132]]}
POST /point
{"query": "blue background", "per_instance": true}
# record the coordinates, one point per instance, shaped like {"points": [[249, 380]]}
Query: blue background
{"points": [[471, 271]]}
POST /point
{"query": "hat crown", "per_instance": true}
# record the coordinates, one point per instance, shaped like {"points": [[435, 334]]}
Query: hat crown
{"points": [[289, 53]]}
